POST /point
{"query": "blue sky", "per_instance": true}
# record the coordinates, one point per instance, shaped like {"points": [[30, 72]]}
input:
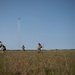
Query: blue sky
{"points": [[49, 22]]}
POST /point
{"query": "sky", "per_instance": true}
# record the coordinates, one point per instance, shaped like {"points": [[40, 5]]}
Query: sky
{"points": [[29, 22]]}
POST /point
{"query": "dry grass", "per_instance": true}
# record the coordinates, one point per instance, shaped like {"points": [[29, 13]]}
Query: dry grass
{"points": [[34, 63]]}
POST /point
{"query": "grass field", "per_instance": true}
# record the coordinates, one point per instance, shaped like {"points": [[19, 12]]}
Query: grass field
{"points": [[53, 62]]}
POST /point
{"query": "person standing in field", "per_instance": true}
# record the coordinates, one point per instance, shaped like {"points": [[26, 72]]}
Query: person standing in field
{"points": [[39, 47], [23, 47], [2, 47]]}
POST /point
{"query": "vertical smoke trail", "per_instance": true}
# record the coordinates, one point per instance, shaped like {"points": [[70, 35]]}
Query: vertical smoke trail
{"points": [[19, 34]]}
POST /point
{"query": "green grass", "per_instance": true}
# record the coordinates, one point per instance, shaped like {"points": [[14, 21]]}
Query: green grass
{"points": [[54, 62]]}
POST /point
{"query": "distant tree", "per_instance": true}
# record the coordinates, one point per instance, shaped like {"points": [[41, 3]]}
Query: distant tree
{"points": [[23, 47]]}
